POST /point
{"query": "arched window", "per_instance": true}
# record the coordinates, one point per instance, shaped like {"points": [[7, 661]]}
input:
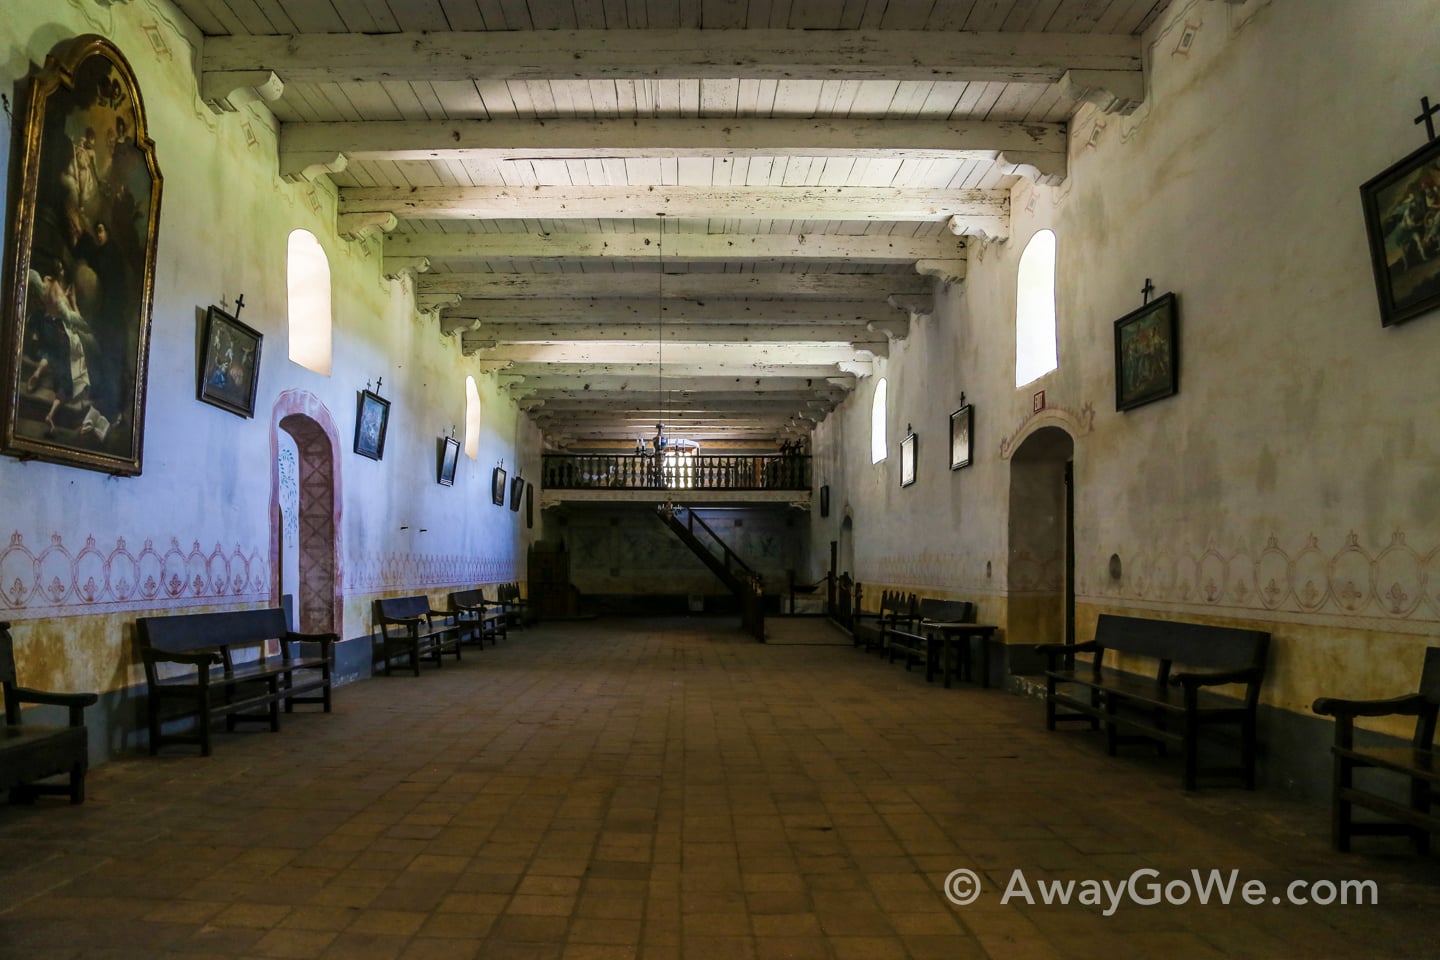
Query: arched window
{"points": [[472, 419], [878, 414], [1035, 310], [307, 277]]}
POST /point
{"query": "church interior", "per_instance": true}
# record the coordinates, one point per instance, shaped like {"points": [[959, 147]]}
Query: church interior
{"points": [[708, 335]]}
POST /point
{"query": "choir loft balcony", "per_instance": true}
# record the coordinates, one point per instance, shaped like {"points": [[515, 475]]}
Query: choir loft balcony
{"points": [[679, 476]]}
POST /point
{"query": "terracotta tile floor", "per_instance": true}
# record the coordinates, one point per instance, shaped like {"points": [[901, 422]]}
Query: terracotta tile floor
{"points": [[669, 789]]}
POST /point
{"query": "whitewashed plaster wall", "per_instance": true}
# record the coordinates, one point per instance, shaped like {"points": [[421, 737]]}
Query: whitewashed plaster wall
{"points": [[195, 526], [1294, 480]]}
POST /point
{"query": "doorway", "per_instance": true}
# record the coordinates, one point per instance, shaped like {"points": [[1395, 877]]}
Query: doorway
{"points": [[305, 512], [1041, 560]]}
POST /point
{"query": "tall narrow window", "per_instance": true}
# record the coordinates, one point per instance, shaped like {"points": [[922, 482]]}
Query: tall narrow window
{"points": [[878, 414], [472, 419], [308, 283], [1035, 310]]}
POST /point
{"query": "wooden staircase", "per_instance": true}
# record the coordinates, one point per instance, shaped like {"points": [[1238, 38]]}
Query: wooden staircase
{"points": [[737, 575]]}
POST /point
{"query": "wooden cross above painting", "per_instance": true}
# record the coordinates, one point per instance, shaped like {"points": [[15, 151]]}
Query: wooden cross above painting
{"points": [[80, 264]]}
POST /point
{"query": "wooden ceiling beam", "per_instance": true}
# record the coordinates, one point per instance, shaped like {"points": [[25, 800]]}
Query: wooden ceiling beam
{"points": [[697, 355], [677, 248], [987, 210], [1040, 146], [473, 314], [582, 385], [819, 286], [887, 55], [690, 375], [681, 333]]}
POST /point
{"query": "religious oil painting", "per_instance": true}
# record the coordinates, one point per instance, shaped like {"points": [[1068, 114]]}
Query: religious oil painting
{"points": [[1402, 218], [1147, 354], [907, 460], [372, 417], [962, 425], [449, 460], [229, 363], [497, 486], [517, 490], [79, 264]]}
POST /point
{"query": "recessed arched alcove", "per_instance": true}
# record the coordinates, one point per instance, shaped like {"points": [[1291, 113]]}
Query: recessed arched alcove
{"points": [[301, 416]]}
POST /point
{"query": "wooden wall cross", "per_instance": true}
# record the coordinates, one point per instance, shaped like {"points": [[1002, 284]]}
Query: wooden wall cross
{"points": [[1427, 117]]}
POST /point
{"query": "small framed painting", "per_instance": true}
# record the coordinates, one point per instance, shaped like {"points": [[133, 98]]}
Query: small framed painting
{"points": [[529, 505], [497, 486], [372, 416], [449, 457], [962, 426], [907, 460], [825, 500], [1147, 354], [1402, 220], [517, 490], [229, 363]]}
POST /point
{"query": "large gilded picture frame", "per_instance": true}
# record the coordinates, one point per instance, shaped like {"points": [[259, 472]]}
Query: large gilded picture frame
{"points": [[79, 264]]}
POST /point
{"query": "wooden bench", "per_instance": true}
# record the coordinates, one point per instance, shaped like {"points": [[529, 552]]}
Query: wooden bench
{"points": [[897, 612], [516, 608], [33, 752], [243, 665], [1412, 770], [408, 627], [928, 641], [481, 618], [1168, 707]]}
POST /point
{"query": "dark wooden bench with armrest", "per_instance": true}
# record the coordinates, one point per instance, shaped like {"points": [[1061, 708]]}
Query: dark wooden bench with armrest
{"points": [[1170, 706], [1413, 771], [516, 608], [409, 627], [482, 619], [897, 612], [222, 665], [34, 752]]}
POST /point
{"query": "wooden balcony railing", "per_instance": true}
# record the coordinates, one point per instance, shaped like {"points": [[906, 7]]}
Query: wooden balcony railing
{"points": [[676, 472]]}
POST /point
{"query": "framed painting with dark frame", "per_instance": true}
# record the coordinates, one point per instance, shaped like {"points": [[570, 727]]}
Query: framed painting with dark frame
{"points": [[517, 489], [825, 501], [497, 486], [229, 363], [372, 417], [449, 457], [529, 505], [1147, 353], [962, 428], [1402, 220], [907, 460], [79, 264]]}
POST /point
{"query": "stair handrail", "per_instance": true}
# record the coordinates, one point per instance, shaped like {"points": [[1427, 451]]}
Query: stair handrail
{"points": [[692, 519]]}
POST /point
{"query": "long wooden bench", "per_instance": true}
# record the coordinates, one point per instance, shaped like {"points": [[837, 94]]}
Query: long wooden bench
{"points": [[408, 627], [516, 608], [34, 752], [1168, 706], [1412, 772], [898, 611], [243, 665], [477, 617]]}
